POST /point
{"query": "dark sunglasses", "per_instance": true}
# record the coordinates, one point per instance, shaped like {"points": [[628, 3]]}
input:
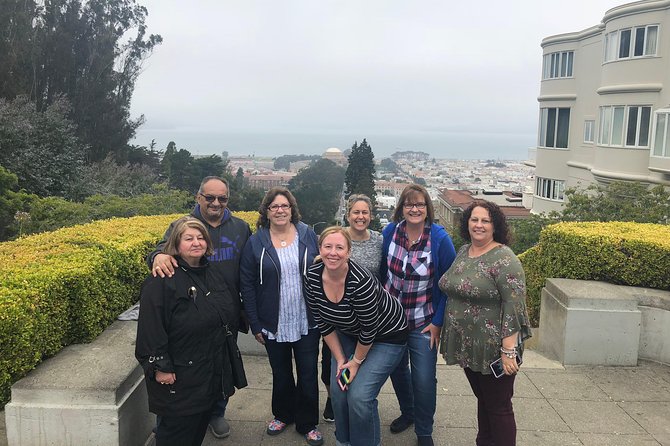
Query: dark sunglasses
{"points": [[210, 198]]}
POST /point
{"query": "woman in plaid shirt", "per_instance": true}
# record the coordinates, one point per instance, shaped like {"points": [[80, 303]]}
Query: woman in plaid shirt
{"points": [[417, 253]]}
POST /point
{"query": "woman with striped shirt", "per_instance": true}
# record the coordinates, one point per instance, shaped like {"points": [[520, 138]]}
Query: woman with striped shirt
{"points": [[365, 329]]}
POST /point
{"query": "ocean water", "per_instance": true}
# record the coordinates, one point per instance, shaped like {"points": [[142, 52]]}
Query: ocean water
{"points": [[510, 146]]}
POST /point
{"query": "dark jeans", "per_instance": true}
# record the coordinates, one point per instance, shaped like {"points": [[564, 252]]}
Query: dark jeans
{"points": [[495, 417], [182, 431], [295, 401], [326, 355]]}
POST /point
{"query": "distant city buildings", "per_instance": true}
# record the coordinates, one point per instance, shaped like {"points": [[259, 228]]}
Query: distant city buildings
{"points": [[604, 105], [451, 204]]}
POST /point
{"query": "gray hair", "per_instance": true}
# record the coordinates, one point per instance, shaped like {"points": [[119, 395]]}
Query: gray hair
{"points": [[210, 178]]}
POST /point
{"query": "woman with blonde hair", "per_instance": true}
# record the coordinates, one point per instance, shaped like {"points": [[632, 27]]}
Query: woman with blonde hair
{"points": [[180, 337], [365, 329]]}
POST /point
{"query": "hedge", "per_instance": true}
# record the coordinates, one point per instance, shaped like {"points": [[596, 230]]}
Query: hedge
{"points": [[67, 286], [634, 254]]}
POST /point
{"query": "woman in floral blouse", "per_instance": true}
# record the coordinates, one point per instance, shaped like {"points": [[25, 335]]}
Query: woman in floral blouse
{"points": [[486, 318]]}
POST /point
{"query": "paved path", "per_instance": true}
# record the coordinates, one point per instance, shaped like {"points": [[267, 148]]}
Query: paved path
{"points": [[594, 406], [554, 406]]}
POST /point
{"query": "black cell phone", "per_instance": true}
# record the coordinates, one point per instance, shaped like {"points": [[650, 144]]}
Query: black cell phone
{"points": [[496, 366]]}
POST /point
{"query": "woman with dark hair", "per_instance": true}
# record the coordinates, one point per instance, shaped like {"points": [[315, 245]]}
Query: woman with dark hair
{"points": [[486, 320], [273, 263], [416, 252], [180, 336], [364, 327]]}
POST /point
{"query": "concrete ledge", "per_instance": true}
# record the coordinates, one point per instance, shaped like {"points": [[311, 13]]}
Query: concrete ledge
{"points": [[597, 323], [86, 394]]}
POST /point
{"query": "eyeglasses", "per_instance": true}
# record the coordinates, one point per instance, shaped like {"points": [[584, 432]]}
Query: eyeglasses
{"points": [[210, 198], [276, 207], [409, 206]]}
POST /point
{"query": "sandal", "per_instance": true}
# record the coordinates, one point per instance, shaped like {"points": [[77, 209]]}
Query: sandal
{"points": [[276, 427], [314, 438]]}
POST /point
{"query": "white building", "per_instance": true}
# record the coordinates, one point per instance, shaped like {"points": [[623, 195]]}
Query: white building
{"points": [[604, 104]]}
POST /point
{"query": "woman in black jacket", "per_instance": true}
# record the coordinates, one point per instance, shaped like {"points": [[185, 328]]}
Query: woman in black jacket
{"points": [[180, 335]]}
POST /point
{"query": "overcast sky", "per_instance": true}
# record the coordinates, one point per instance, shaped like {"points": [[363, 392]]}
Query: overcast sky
{"points": [[299, 76]]}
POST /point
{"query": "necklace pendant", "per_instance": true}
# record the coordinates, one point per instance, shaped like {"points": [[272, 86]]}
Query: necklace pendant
{"points": [[283, 243]]}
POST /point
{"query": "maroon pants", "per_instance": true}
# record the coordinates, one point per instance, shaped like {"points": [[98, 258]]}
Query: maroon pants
{"points": [[495, 417]]}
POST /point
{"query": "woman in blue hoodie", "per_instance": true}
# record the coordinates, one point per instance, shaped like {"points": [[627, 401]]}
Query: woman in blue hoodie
{"points": [[273, 263], [416, 252]]}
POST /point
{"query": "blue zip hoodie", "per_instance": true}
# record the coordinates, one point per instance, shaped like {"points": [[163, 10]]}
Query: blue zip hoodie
{"points": [[260, 276]]}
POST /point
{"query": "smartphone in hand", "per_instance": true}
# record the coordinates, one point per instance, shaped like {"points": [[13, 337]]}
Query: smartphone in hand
{"points": [[343, 379], [496, 366]]}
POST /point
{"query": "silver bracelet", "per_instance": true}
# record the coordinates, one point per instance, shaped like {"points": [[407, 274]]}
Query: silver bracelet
{"points": [[510, 353]]}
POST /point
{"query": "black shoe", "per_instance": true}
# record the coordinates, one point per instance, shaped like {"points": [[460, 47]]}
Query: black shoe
{"points": [[426, 440], [401, 424], [328, 412]]}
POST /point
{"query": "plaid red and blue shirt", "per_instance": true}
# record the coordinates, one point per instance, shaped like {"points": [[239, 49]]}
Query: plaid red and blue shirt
{"points": [[410, 275]]}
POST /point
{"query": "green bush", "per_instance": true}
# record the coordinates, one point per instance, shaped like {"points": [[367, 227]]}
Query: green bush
{"points": [[66, 286], [634, 254]]}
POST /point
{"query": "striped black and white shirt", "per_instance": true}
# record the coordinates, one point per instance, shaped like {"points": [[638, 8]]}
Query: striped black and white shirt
{"points": [[366, 311]]}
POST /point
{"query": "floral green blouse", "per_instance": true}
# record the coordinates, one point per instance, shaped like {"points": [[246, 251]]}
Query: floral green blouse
{"points": [[486, 303]]}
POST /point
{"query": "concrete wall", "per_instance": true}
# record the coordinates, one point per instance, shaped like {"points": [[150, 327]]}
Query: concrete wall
{"points": [[88, 394], [597, 323]]}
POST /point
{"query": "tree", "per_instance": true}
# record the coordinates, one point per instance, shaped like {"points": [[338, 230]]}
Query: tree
{"points": [[360, 174], [125, 180], [618, 201], [41, 147], [526, 231], [317, 189], [12, 204], [76, 48], [389, 165], [182, 171]]}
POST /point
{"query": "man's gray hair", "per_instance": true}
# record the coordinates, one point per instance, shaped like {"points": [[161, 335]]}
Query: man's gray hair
{"points": [[210, 178]]}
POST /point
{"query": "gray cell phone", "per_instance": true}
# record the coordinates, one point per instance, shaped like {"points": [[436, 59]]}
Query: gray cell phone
{"points": [[496, 366]]}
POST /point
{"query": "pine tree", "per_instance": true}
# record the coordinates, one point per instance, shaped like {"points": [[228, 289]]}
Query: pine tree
{"points": [[360, 174]]}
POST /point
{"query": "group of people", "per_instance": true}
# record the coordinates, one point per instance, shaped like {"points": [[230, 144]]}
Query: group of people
{"points": [[384, 304]]}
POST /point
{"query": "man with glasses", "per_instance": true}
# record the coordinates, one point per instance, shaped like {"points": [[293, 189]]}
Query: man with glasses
{"points": [[228, 234]]}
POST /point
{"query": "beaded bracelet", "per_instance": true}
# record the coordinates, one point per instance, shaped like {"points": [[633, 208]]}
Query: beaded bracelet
{"points": [[510, 353]]}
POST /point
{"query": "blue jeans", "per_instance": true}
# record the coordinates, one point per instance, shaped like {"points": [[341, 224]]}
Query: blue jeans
{"points": [[356, 409], [295, 400], [417, 389]]}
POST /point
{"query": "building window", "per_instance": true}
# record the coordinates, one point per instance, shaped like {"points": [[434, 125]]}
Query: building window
{"points": [[589, 130], [550, 189], [639, 41], [556, 65], [661, 145], [629, 124], [554, 127]]}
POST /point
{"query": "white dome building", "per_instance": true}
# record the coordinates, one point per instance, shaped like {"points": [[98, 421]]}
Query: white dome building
{"points": [[335, 155]]}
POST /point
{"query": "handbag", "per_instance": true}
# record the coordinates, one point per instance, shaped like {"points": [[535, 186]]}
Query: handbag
{"points": [[236, 364]]}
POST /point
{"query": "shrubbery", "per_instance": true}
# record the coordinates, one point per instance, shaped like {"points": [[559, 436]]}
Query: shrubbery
{"points": [[66, 286], [634, 254]]}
